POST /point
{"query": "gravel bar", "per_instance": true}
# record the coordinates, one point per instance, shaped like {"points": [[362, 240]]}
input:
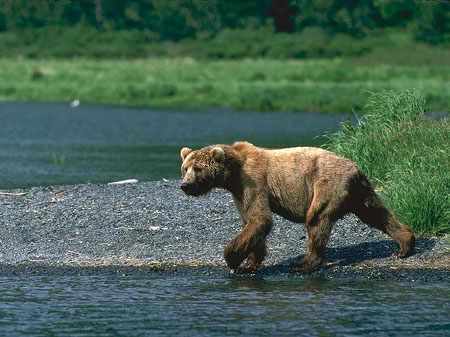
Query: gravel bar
{"points": [[152, 227]]}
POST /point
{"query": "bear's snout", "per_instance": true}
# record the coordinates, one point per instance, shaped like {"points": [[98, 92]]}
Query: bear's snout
{"points": [[188, 188]]}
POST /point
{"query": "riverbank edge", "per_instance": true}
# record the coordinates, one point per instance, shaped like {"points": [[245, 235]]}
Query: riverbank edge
{"points": [[359, 271]]}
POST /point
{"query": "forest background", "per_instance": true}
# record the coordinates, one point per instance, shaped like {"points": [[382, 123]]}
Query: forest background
{"points": [[321, 56]]}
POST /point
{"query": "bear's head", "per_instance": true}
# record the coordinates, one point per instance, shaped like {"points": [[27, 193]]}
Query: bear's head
{"points": [[202, 170]]}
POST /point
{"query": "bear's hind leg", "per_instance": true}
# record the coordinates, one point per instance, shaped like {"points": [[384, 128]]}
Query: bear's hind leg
{"points": [[374, 213], [319, 229]]}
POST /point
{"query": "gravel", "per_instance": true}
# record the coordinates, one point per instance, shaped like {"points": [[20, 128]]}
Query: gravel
{"points": [[153, 227]]}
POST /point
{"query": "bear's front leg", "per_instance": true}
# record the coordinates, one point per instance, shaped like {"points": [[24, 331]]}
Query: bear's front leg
{"points": [[249, 240], [254, 260], [233, 255]]}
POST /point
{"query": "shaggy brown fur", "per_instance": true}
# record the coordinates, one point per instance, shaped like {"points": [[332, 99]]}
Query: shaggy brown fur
{"points": [[303, 184]]}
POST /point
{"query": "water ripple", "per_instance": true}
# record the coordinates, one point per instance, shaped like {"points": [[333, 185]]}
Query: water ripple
{"points": [[133, 306]]}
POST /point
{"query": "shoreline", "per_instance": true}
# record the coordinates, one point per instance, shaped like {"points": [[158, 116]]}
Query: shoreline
{"points": [[365, 271], [153, 228]]}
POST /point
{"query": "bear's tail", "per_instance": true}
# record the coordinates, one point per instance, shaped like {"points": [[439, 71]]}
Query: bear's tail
{"points": [[371, 210]]}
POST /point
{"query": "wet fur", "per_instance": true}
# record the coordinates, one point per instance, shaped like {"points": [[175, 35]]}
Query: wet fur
{"points": [[303, 184]]}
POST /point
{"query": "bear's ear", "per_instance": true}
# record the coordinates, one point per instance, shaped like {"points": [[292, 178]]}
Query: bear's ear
{"points": [[218, 154], [184, 152]]}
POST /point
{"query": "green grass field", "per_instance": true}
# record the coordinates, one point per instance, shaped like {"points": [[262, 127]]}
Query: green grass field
{"points": [[326, 85]]}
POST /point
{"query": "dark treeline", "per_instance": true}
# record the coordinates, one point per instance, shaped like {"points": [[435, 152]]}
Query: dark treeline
{"points": [[179, 19]]}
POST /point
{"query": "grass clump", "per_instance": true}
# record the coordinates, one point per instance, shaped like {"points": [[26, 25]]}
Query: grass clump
{"points": [[406, 154]]}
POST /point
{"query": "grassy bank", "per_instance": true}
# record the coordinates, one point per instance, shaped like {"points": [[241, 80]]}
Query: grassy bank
{"points": [[326, 85], [406, 154]]}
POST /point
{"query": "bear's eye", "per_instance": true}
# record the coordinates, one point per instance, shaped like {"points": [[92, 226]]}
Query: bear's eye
{"points": [[198, 169]]}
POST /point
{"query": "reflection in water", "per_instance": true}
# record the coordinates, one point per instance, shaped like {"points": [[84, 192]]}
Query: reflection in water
{"points": [[49, 144]]}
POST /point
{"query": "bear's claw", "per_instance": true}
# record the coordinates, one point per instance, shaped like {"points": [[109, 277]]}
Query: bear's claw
{"points": [[232, 258], [401, 255], [245, 270]]}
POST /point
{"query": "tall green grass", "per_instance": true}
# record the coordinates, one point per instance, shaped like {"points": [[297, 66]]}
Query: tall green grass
{"points": [[407, 156]]}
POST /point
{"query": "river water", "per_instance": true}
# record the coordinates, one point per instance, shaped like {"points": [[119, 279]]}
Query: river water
{"points": [[52, 144], [210, 306]]}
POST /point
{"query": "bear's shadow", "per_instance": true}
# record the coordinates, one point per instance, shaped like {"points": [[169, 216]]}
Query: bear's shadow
{"points": [[354, 254]]}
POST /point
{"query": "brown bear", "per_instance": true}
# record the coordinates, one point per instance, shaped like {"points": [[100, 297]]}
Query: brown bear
{"points": [[302, 184]]}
